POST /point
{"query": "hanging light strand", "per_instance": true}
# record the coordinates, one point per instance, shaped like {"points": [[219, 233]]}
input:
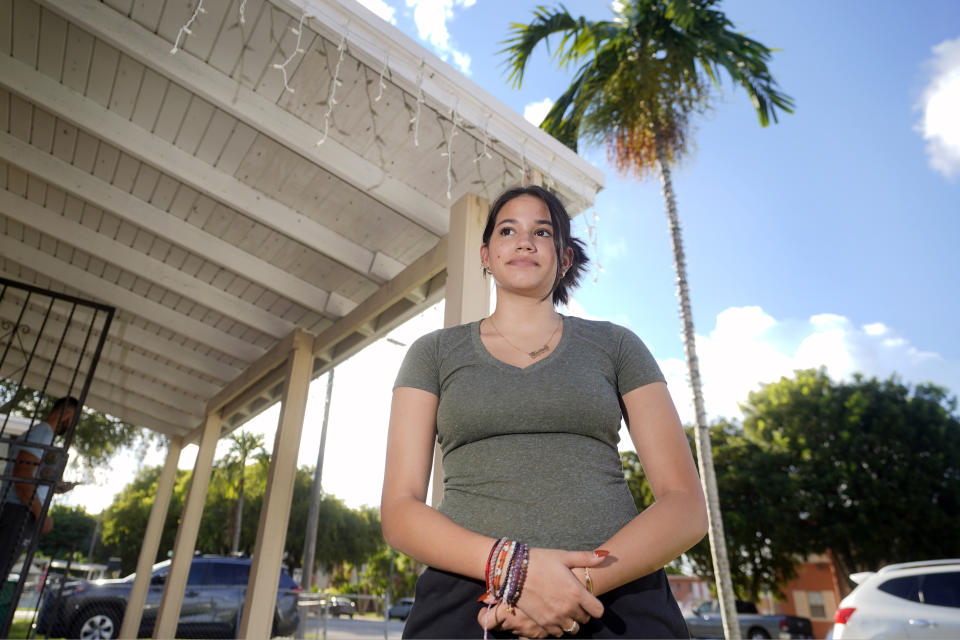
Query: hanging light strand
{"points": [[283, 67], [383, 85], [243, 16], [454, 116], [185, 29], [332, 100], [415, 121], [484, 153]]}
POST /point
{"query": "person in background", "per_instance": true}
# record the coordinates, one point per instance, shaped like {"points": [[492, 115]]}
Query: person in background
{"points": [[21, 496]]}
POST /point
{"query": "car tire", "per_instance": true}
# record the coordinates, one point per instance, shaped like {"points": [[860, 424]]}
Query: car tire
{"points": [[96, 622], [757, 634]]}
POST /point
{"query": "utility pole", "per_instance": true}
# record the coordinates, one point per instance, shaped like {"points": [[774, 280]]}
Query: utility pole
{"points": [[313, 516]]}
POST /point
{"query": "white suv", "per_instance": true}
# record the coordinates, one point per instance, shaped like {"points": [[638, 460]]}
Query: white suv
{"points": [[909, 600]]}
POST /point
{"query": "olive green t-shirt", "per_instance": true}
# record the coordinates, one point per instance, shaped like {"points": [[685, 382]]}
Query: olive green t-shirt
{"points": [[531, 453]]}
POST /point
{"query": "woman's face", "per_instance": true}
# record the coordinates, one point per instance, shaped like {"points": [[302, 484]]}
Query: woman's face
{"points": [[521, 251]]}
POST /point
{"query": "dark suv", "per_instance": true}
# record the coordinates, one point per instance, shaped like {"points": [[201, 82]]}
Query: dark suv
{"points": [[212, 603]]}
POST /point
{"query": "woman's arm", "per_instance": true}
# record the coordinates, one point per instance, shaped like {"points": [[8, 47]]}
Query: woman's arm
{"points": [[677, 519], [551, 596], [409, 525]]}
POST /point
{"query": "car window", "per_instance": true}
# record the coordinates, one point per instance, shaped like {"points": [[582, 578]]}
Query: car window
{"points": [[199, 574], [905, 587], [230, 573], [941, 589]]}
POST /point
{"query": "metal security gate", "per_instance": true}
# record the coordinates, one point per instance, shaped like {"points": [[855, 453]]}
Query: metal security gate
{"points": [[50, 344]]}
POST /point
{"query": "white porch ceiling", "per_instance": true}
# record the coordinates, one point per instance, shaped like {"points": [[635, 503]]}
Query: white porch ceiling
{"points": [[188, 190]]}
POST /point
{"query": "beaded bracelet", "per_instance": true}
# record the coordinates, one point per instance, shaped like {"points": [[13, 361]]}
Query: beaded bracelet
{"points": [[506, 572]]}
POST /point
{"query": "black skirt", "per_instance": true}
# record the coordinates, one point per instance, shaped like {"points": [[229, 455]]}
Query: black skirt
{"points": [[446, 607]]}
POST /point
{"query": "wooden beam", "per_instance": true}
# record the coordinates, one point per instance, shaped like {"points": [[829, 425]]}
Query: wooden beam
{"points": [[258, 390], [133, 612], [169, 613], [141, 265], [99, 289], [86, 114], [45, 350], [114, 352], [252, 109], [109, 405], [256, 370], [123, 333], [160, 223], [421, 270], [259, 604]]}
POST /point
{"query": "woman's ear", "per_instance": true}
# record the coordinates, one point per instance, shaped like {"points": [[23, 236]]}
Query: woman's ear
{"points": [[484, 256], [567, 260]]}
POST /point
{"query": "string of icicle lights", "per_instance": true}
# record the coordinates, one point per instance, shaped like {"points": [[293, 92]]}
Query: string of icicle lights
{"points": [[454, 117]]}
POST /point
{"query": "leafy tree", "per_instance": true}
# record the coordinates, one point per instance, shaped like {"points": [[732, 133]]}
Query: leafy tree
{"points": [[97, 436], [641, 78], [125, 520], [72, 532], [875, 464], [760, 514], [243, 446]]}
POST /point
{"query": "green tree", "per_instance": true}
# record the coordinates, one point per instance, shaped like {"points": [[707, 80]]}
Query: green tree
{"points": [[125, 520], [72, 532], [875, 464], [641, 78], [243, 446], [760, 514], [97, 437]]}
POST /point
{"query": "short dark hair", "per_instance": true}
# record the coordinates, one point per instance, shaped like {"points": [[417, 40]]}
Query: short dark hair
{"points": [[67, 402], [562, 240]]}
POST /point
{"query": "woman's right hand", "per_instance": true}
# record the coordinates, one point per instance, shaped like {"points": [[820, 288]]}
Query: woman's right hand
{"points": [[552, 596]]}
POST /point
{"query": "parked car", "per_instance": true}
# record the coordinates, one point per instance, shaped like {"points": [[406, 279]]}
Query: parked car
{"points": [[338, 606], [707, 622], [908, 600], [401, 609], [212, 603]]}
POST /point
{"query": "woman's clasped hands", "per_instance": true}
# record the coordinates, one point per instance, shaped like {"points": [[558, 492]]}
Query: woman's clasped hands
{"points": [[553, 601]]}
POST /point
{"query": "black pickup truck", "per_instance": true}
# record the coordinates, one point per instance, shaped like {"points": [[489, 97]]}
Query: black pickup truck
{"points": [[706, 622]]}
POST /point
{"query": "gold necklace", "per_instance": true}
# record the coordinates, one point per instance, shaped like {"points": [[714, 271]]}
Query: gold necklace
{"points": [[536, 353]]}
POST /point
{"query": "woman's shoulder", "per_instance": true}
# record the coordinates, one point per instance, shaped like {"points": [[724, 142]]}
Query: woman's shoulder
{"points": [[445, 336], [603, 328]]}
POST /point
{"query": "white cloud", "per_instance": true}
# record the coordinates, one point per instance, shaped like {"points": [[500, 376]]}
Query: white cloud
{"points": [[940, 104], [431, 18], [748, 347], [381, 8], [535, 112]]}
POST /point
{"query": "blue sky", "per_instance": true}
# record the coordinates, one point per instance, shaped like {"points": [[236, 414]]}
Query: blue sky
{"points": [[827, 239]]}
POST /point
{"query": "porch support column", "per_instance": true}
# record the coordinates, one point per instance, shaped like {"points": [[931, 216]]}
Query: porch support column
{"points": [[151, 540], [467, 289], [261, 598], [173, 589]]}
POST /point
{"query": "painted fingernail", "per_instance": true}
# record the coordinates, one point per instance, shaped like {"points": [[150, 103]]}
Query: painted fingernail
{"points": [[601, 553]]}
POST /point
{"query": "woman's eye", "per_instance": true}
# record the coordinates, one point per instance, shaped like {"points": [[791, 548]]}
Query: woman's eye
{"points": [[506, 231], [544, 233]]}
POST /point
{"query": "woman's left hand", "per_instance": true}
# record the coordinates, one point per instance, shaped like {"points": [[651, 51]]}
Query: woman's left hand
{"points": [[515, 621]]}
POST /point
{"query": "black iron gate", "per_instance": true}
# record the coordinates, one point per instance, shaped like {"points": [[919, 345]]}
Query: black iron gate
{"points": [[49, 343]]}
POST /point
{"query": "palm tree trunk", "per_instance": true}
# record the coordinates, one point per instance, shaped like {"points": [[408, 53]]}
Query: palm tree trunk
{"points": [[718, 545], [239, 515]]}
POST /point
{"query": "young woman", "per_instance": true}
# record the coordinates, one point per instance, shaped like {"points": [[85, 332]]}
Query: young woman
{"points": [[526, 406]]}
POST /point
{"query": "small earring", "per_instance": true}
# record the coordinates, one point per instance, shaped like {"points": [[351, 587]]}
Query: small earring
{"points": [[483, 268]]}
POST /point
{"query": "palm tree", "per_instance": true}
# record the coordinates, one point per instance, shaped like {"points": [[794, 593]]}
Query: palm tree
{"points": [[243, 445], [641, 76]]}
